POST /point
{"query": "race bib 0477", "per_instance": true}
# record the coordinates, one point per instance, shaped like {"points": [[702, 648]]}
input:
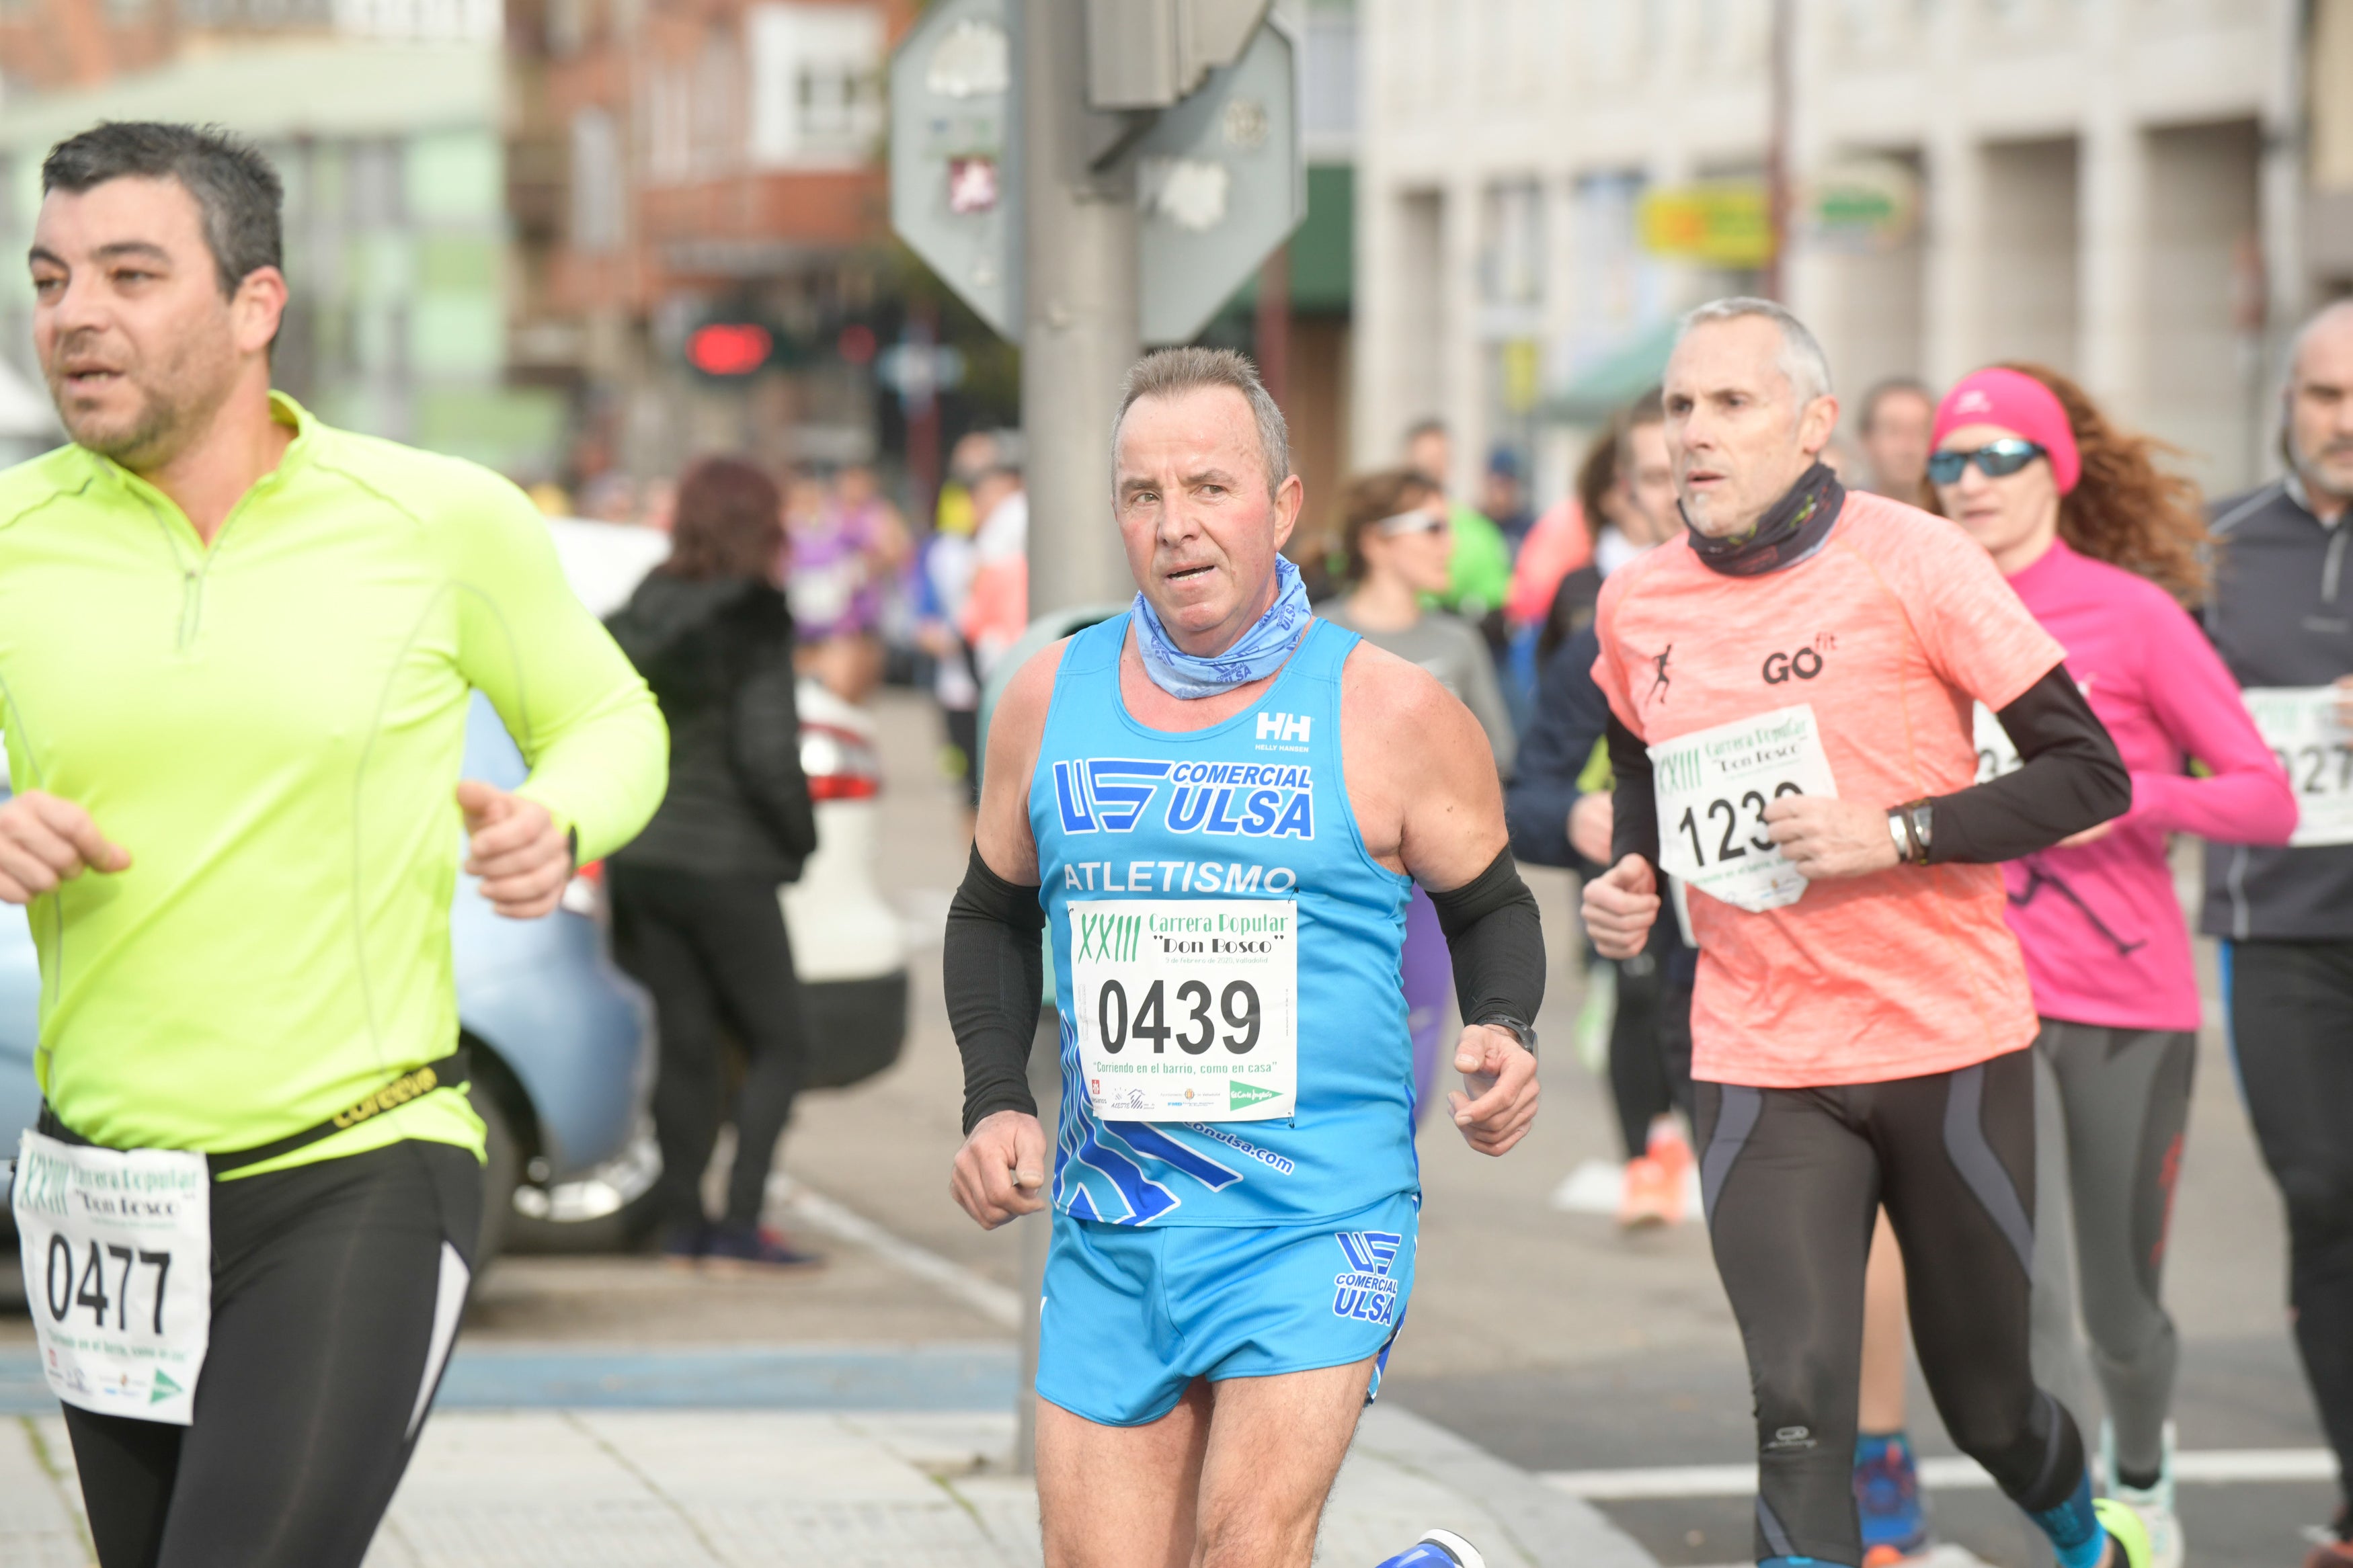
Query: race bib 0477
{"points": [[1187, 1009], [2299, 724], [1713, 786], [117, 1249]]}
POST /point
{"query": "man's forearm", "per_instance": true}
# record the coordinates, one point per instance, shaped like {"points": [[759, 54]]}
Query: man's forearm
{"points": [[2072, 780], [605, 774], [1634, 807], [993, 967]]}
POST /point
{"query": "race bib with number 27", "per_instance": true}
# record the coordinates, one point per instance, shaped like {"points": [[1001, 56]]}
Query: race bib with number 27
{"points": [[2299, 724], [1713, 786], [1188, 1008]]}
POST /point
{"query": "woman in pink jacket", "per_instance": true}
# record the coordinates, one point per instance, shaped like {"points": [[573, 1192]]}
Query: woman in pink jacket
{"points": [[2105, 548]]}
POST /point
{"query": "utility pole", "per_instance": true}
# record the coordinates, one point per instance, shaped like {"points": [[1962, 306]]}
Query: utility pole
{"points": [[1080, 320], [1777, 147]]}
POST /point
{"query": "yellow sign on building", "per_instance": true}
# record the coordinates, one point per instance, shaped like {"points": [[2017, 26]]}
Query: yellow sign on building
{"points": [[1722, 223]]}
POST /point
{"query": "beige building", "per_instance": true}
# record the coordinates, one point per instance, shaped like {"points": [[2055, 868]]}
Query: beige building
{"points": [[2113, 187]]}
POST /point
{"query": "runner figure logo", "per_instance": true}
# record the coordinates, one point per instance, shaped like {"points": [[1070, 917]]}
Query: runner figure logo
{"points": [[1365, 1290], [1658, 675]]}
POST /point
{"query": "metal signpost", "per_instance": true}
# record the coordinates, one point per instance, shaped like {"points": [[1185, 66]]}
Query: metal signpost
{"points": [[1090, 175]]}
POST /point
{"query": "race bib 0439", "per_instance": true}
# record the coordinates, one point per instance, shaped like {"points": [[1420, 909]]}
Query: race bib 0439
{"points": [[1713, 786], [1187, 1009], [2299, 724], [116, 1249]]}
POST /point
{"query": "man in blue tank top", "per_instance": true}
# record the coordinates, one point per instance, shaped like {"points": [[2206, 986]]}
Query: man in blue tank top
{"points": [[1219, 805]]}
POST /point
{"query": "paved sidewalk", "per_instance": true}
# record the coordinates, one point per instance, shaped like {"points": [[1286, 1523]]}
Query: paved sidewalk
{"points": [[671, 1488]]}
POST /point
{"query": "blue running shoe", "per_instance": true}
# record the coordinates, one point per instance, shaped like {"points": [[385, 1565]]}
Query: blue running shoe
{"points": [[1438, 1549], [1887, 1497]]}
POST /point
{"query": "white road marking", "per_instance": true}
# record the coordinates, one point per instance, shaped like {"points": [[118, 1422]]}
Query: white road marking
{"points": [[1950, 1473], [813, 1209]]}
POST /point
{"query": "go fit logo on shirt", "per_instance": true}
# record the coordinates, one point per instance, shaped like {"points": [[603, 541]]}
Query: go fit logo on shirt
{"points": [[1803, 664], [1253, 800]]}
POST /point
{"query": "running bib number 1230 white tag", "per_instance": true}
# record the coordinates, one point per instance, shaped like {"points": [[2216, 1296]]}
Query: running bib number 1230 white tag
{"points": [[2299, 724], [1713, 786], [117, 1247], [1188, 1008]]}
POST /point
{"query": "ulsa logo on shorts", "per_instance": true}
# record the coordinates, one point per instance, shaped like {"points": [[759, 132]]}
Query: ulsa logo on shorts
{"points": [[1803, 664], [1364, 1290]]}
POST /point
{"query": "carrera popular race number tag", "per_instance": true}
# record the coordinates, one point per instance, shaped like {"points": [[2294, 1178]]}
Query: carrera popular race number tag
{"points": [[117, 1247], [1997, 752], [1713, 786], [1188, 1008], [2299, 724]]}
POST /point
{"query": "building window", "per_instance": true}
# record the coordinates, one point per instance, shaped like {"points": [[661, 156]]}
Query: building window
{"points": [[816, 83]]}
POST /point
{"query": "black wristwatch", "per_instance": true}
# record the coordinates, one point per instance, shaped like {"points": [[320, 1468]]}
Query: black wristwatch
{"points": [[1519, 1029]]}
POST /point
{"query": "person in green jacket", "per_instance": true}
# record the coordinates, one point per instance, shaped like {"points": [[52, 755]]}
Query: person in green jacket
{"points": [[236, 651], [1480, 570]]}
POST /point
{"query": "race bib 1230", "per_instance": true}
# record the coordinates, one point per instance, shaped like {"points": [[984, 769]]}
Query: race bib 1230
{"points": [[1188, 1008], [1713, 786]]}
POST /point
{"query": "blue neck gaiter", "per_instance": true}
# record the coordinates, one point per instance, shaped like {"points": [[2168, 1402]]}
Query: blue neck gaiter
{"points": [[1255, 654]]}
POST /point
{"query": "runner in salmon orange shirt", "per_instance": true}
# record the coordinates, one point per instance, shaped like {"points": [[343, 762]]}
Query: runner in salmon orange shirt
{"points": [[1791, 687]]}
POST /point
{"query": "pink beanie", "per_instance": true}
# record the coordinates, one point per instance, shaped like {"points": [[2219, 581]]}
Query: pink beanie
{"points": [[2015, 400]]}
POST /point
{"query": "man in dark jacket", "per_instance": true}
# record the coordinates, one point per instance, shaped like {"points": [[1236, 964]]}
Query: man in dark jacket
{"points": [[2282, 620], [695, 910]]}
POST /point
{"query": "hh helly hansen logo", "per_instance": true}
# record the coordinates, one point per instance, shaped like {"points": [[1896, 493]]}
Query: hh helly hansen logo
{"points": [[1365, 1290], [1250, 800], [1282, 726]]}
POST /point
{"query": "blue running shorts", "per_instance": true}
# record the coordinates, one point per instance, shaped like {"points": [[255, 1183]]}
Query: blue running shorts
{"points": [[1133, 1314]]}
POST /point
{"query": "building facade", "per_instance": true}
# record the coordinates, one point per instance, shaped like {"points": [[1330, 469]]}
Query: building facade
{"points": [[675, 163], [2113, 187]]}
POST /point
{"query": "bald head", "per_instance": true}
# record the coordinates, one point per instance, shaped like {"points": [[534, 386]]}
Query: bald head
{"points": [[2319, 407]]}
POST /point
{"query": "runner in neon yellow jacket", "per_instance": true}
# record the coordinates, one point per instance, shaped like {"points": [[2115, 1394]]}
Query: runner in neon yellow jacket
{"points": [[272, 728]]}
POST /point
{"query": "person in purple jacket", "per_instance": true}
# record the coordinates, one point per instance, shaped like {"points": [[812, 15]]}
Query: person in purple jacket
{"points": [[2105, 548]]}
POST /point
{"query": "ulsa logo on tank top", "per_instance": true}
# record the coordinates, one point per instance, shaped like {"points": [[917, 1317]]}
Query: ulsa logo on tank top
{"points": [[1248, 800]]}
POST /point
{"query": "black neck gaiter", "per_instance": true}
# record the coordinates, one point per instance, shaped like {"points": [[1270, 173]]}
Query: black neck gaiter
{"points": [[1791, 529]]}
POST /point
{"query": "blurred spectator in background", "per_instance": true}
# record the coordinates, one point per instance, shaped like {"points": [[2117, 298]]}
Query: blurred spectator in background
{"points": [[1894, 422], [1559, 542], [694, 897], [1478, 572], [1398, 536], [847, 542], [1558, 809], [998, 610], [610, 498], [949, 560], [1627, 485], [1504, 497]]}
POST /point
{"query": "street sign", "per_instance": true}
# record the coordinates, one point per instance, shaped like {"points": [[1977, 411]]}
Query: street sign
{"points": [[1219, 183], [1723, 223], [1149, 54], [955, 153]]}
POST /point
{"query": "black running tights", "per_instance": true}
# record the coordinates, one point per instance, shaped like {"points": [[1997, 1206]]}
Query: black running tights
{"points": [[1793, 1178], [336, 1291]]}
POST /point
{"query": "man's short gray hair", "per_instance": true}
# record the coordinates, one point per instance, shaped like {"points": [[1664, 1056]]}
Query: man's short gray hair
{"points": [[1801, 358], [1171, 373]]}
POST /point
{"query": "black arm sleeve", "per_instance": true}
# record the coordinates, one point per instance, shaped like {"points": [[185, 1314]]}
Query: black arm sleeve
{"points": [[1496, 940], [994, 969], [1571, 715], [2072, 779], [1634, 807]]}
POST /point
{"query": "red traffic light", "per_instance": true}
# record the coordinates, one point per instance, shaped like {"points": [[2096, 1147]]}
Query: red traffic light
{"points": [[729, 348]]}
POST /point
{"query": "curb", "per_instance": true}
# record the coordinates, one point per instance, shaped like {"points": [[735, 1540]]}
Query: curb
{"points": [[1548, 1528]]}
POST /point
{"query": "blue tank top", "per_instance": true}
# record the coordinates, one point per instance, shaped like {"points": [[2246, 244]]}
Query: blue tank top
{"points": [[1256, 806]]}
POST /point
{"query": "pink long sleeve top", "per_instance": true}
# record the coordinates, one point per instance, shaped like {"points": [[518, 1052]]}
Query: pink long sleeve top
{"points": [[2101, 925]]}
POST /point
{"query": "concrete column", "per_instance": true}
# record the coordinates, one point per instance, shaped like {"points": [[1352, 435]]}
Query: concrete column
{"points": [[2113, 206], [1462, 356]]}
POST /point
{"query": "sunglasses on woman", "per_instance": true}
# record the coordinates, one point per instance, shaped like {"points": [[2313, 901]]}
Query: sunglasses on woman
{"points": [[1995, 460], [1410, 523]]}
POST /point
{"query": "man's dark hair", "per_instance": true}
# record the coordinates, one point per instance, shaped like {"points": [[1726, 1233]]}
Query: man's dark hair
{"points": [[237, 193], [1892, 386]]}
